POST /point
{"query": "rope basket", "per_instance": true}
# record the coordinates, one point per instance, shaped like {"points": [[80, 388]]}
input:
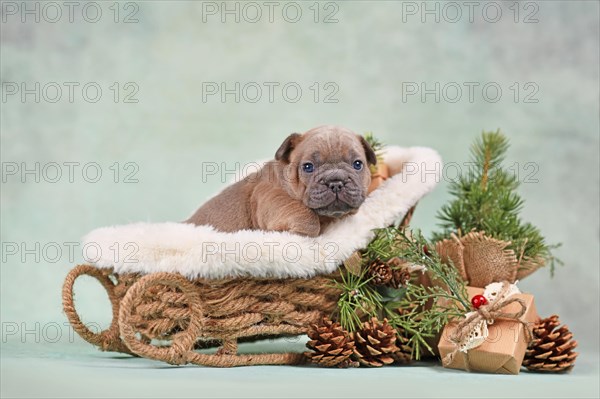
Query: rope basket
{"points": [[164, 316]]}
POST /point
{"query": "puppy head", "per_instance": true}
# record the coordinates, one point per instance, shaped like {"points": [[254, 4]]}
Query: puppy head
{"points": [[327, 168]]}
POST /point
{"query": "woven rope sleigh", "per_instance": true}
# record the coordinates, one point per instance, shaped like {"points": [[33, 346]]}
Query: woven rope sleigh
{"points": [[180, 291]]}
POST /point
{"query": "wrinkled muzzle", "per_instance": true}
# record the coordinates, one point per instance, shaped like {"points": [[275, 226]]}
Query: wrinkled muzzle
{"points": [[335, 192]]}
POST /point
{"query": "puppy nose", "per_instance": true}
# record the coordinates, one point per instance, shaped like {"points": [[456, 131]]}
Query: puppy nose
{"points": [[336, 185]]}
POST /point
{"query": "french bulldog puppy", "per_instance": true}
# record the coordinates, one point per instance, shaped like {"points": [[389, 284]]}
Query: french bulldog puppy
{"points": [[316, 177]]}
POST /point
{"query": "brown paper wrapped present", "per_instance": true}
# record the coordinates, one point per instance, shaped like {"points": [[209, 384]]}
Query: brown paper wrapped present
{"points": [[508, 323]]}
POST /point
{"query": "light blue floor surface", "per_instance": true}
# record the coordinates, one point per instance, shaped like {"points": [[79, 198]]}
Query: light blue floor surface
{"points": [[73, 368]]}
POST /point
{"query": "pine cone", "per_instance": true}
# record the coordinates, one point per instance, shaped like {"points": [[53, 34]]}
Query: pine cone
{"points": [[400, 274], [375, 343], [405, 353], [552, 348], [380, 272], [400, 278], [331, 345]]}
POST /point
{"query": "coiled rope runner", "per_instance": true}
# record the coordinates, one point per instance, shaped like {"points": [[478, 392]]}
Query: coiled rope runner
{"points": [[163, 316]]}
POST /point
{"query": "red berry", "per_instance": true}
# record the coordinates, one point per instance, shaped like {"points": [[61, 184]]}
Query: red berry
{"points": [[426, 250], [478, 301]]}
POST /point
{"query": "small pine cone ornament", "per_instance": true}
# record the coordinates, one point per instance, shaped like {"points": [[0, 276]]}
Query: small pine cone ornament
{"points": [[391, 273], [375, 343], [380, 272], [400, 278], [331, 345], [400, 273], [551, 350]]}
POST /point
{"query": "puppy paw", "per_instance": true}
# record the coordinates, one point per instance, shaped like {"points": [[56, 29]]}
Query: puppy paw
{"points": [[306, 229]]}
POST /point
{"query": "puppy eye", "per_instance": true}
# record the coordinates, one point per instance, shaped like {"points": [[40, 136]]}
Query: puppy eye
{"points": [[358, 165], [308, 167]]}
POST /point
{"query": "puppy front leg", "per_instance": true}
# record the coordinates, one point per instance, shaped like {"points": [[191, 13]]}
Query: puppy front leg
{"points": [[306, 225], [295, 219], [276, 211]]}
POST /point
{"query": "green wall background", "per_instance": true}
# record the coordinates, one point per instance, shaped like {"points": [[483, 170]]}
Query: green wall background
{"points": [[371, 54]]}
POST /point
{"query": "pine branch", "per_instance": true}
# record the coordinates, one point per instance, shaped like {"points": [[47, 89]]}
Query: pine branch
{"points": [[485, 200], [421, 311], [375, 143], [377, 147], [357, 298]]}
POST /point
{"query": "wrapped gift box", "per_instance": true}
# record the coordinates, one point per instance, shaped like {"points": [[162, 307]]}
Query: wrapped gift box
{"points": [[503, 350]]}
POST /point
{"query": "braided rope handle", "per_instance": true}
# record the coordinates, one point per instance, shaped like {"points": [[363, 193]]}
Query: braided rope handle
{"points": [[106, 340]]}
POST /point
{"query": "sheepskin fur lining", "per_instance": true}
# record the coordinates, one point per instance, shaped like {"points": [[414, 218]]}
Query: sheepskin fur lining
{"points": [[201, 252]]}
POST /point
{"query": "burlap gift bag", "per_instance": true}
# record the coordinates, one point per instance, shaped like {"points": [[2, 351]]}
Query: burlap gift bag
{"points": [[482, 260]]}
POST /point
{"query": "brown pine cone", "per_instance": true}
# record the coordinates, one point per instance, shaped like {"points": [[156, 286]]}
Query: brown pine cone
{"points": [[331, 345], [380, 272], [375, 343], [552, 348], [400, 278], [405, 353], [400, 274]]}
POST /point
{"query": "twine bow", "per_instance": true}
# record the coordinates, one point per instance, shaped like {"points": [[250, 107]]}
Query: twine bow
{"points": [[488, 313]]}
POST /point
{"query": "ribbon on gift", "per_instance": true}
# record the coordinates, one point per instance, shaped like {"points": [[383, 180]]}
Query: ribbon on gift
{"points": [[475, 323]]}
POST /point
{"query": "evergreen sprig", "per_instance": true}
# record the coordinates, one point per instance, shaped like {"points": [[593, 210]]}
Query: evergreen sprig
{"points": [[358, 299], [421, 311], [384, 246], [375, 143], [377, 146], [424, 310], [485, 200]]}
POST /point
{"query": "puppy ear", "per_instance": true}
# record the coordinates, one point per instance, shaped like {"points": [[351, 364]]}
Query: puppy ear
{"points": [[286, 148], [371, 156]]}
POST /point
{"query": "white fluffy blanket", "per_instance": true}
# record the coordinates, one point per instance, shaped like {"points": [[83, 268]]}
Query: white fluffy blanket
{"points": [[200, 251]]}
